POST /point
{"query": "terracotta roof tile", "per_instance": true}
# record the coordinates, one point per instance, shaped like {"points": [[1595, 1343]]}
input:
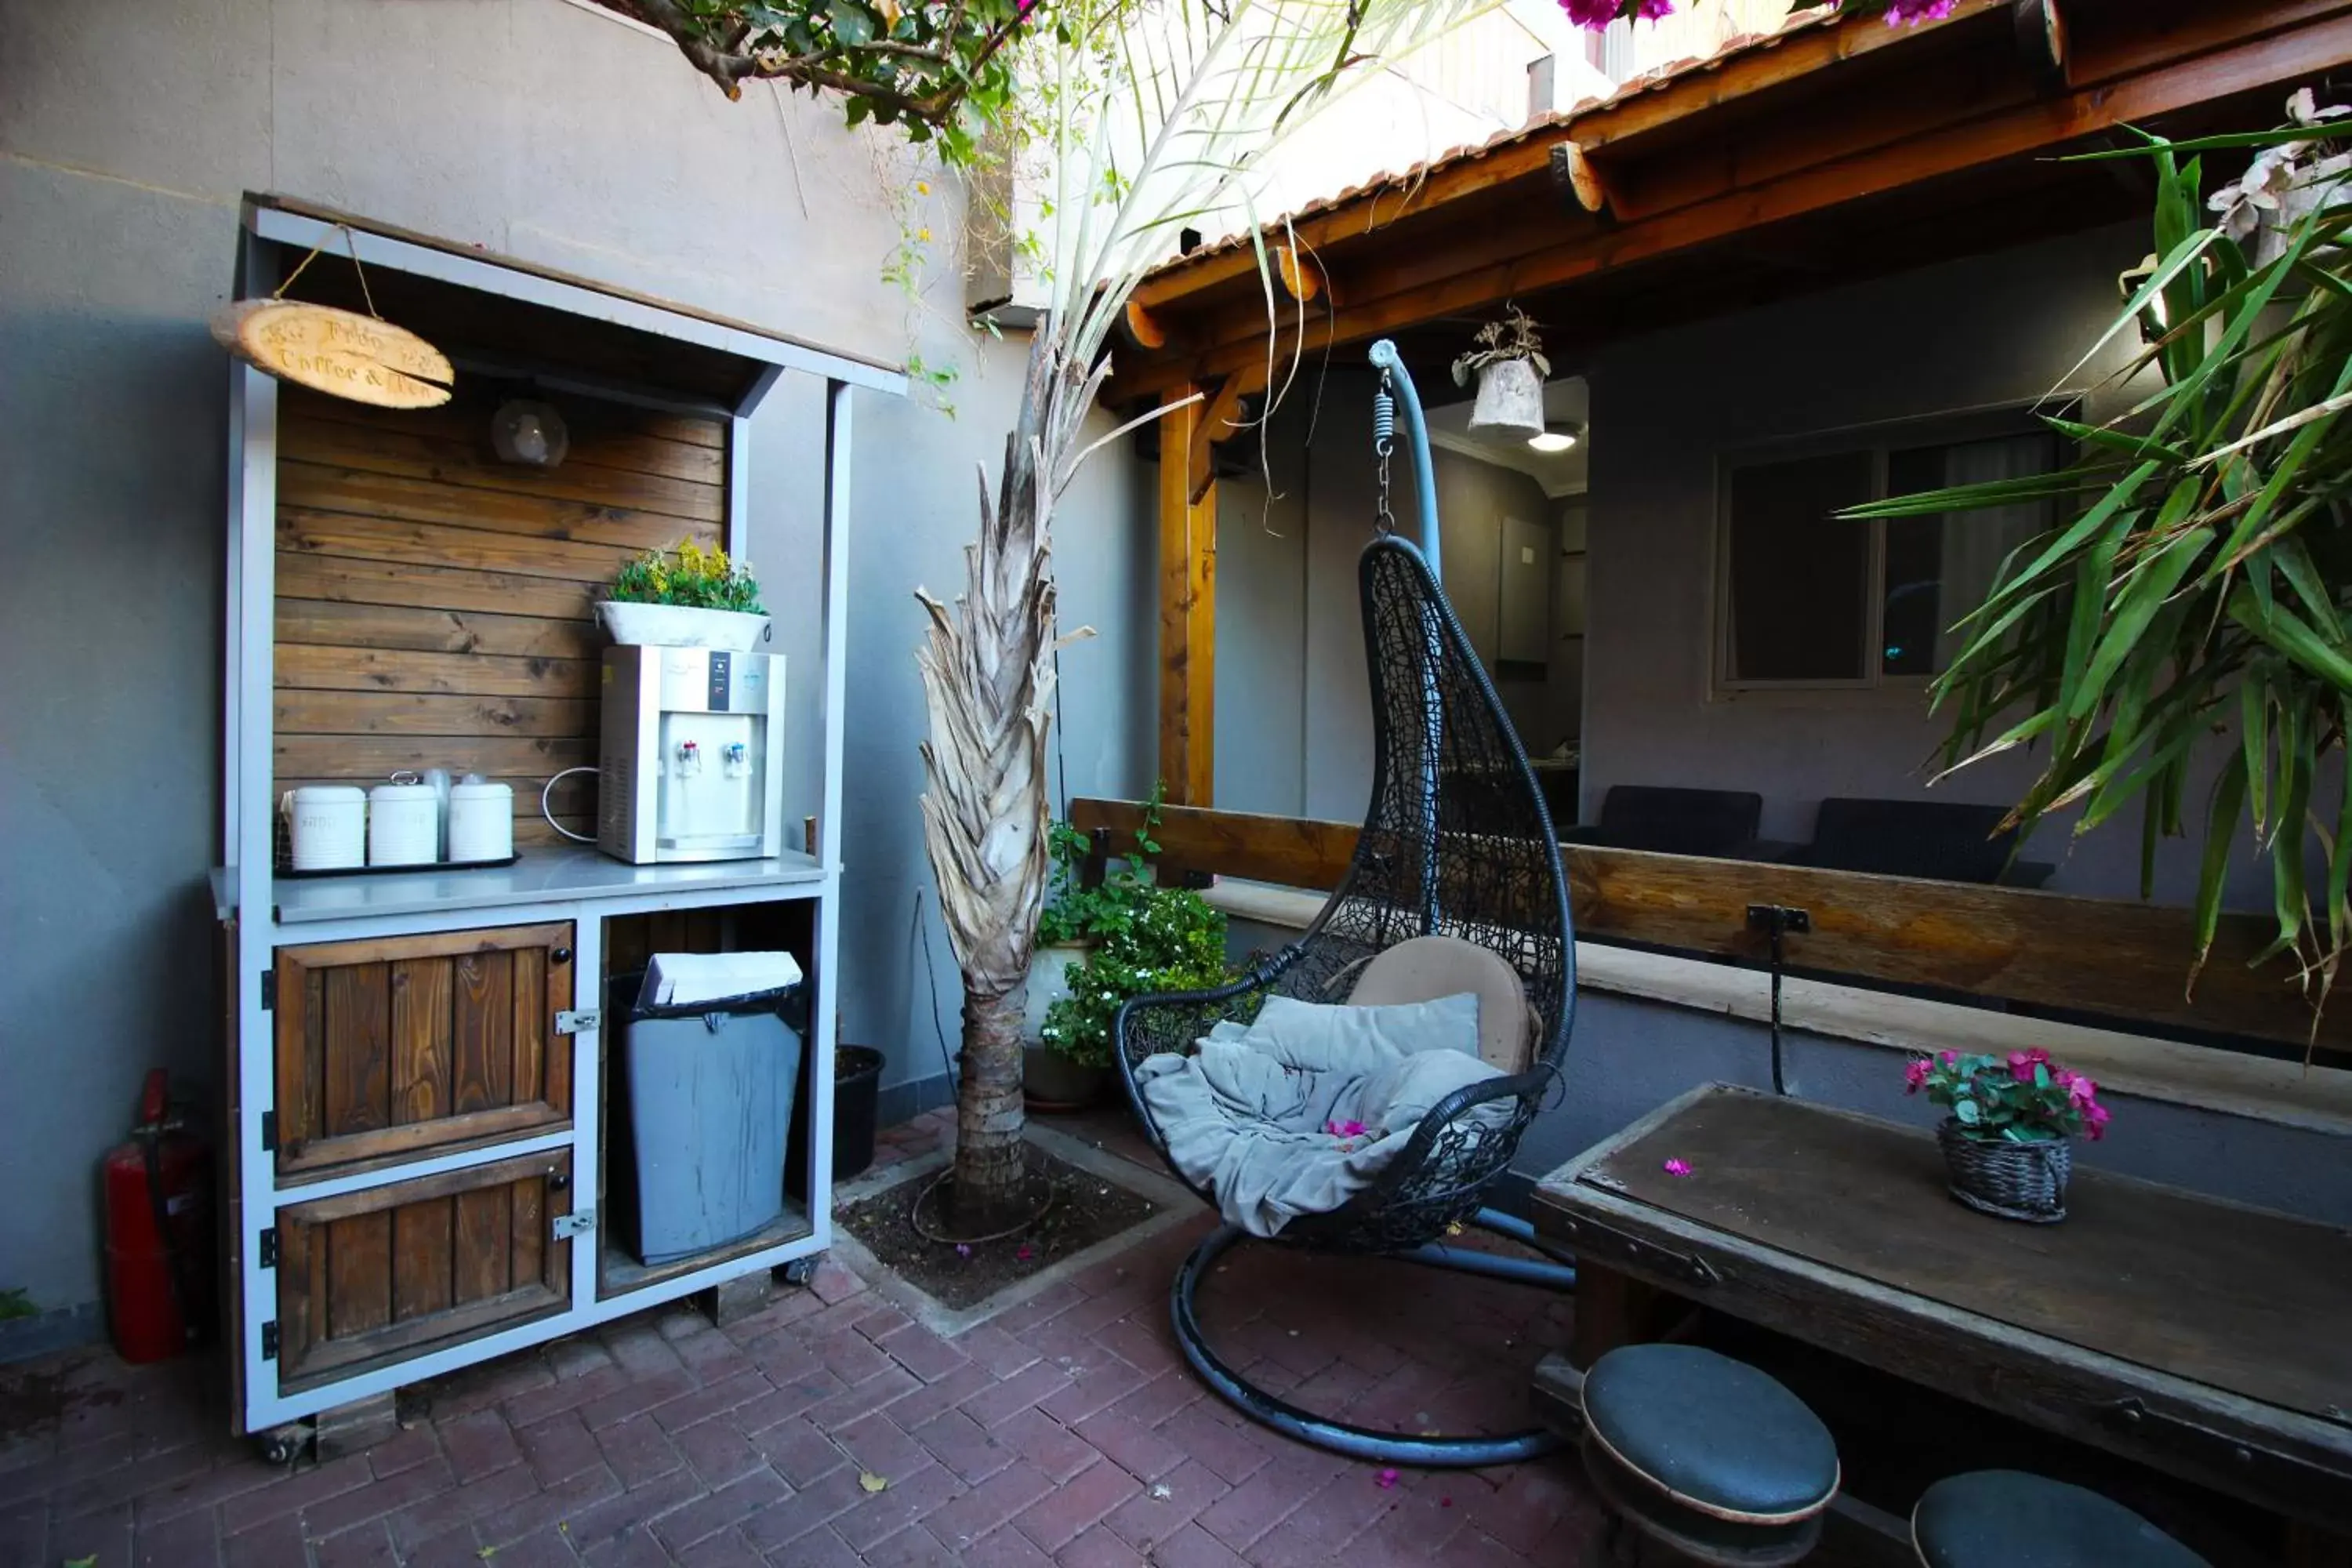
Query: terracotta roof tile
{"points": [[1632, 86]]}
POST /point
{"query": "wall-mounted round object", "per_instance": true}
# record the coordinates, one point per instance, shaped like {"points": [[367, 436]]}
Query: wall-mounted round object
{"points": [[529, 432]]}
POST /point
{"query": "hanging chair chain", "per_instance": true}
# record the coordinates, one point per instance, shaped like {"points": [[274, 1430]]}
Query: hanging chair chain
{"points": [[1384, 443]]}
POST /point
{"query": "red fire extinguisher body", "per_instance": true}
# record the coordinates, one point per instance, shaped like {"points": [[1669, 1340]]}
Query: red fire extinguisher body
{"points": [[159, 1224]]}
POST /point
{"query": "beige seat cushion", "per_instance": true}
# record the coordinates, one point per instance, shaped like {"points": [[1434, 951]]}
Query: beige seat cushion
{"points": [[1428, 967]]}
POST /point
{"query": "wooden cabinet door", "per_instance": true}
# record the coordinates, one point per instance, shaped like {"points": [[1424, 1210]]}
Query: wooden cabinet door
{"points": [[390, 1048], [395, 1271]]}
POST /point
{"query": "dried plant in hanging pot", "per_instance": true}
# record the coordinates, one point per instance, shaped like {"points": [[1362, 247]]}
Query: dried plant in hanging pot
{"points": [[1511, 369]]}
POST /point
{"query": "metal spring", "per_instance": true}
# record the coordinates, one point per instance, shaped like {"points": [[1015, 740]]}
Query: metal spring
{"points": [[1383, 420]]}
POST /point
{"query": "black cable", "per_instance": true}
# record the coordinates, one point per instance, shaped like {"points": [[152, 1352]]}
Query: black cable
{"points": [[955, 1083]]}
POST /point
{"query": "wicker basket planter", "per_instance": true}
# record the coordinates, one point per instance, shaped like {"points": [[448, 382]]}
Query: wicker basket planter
{"points": [[2015, 1181]]}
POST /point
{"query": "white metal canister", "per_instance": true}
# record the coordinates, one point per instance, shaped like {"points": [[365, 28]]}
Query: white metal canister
{"points": [[481, 821], [328, 824], [403, 825]]}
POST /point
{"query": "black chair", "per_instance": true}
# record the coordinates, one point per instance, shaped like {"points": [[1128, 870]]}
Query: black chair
{"points": [[1668, 820], [1945, 840], [1457, 844]]}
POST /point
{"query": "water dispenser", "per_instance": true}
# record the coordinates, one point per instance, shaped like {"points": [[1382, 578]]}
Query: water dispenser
{"points": [[690, 765]]}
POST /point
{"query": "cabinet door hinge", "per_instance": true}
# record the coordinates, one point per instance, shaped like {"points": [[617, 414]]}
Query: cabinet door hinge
{"points": [[266, 1253], [269, 1340], [269, 990], [579, 1223], [578, 1023], [269, 1133]]}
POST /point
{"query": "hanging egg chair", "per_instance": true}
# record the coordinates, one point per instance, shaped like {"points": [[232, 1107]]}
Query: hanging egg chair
{"points": [[1455, 884]]}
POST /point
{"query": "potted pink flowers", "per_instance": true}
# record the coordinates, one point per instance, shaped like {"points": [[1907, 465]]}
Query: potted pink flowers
{"points": [[2004, 1143]]}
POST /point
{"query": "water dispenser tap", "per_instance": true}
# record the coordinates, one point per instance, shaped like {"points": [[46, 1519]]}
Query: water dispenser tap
{"points": [[737, 759], [690, 757]]}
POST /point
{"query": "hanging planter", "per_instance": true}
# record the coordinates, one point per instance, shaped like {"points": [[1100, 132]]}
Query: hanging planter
{"points": [[1511, 370]]}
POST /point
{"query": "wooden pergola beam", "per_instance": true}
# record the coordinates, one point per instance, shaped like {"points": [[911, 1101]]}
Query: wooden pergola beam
{"points": [[1188, 601]]}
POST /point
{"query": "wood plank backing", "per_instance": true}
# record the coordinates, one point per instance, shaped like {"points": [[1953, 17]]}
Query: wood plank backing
{"points": [[2124, 960], [435, 606]]}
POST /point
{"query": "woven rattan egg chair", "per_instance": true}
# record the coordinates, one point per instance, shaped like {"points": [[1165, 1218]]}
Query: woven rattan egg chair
{"points": [[1459, 844]]}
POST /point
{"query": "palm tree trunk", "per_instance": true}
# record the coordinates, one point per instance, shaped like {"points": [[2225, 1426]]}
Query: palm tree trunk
{"points": [[988, 683]]}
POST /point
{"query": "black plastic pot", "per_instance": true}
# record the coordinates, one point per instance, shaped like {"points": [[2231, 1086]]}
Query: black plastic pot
{"points": [[856, 1111]]}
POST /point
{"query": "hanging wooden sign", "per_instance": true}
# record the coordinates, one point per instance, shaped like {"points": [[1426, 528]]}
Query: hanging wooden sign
{"points": [[338, 353]]}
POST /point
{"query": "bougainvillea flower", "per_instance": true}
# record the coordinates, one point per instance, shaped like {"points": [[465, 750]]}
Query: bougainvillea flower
{"points": [[1677, 1168], [1590, 13], [1344, 1129], [1386, 1479], [1915, 1076], [1911, 13], [1025, 1254]]}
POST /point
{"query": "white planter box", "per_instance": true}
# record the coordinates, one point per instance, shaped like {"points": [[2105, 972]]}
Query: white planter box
{"points": [[680, 626]]}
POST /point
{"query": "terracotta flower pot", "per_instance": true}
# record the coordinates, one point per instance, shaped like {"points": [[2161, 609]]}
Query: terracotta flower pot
{"points": [[2015, 1181]]}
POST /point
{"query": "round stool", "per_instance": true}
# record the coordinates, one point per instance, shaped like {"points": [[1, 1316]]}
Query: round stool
{"points": [[2007, 1519], [1706, 1456]]}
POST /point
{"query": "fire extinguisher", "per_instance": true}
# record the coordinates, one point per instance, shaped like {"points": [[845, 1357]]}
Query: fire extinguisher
{"points": [[158, 1231]]}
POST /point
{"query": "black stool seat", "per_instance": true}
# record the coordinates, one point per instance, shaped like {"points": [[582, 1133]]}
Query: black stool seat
{"points": [[1707, 1454], [1714, 1434], [2007, 1519]]}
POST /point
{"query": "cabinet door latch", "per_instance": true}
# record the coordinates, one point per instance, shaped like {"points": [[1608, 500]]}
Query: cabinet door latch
{"points": [[579, 1021], [269, 1340], [266, 1254], [580, 1223]]}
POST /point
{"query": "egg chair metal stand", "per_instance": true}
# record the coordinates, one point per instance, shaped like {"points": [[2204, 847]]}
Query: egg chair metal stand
{"points": [[1457, 842]]}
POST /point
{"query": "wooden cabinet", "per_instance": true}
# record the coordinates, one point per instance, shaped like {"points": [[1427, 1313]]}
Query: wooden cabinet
{"points": [[388, 1049], [396, 1271]]}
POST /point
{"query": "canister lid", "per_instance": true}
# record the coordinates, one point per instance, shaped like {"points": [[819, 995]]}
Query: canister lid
{"points": [[329, 794], [482, 792], [393, 792]]}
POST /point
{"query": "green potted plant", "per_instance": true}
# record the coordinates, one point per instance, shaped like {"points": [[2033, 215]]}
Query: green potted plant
{"points": [[685, 596], [2005, 1149], [1098, 945]]}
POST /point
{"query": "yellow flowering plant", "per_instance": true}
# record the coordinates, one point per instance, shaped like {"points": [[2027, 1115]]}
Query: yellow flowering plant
{"points": [[688, 574]]}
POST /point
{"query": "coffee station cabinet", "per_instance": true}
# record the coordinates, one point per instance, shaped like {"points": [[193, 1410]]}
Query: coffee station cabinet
{"points": [[427, 1144]]}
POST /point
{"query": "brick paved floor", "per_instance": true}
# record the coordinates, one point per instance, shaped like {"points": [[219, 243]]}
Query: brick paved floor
{"points": [[1066, 1431]]}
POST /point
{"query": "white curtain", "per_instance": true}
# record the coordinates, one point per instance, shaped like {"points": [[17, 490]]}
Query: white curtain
{"points": [[1975, 541]]}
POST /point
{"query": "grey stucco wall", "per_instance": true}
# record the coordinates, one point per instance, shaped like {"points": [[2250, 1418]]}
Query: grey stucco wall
{"points": [[2002, 329], [538, 128], [1293, 717]]}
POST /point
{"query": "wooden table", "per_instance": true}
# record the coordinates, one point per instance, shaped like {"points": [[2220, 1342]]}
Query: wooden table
{"points": [[2207, 1339]]}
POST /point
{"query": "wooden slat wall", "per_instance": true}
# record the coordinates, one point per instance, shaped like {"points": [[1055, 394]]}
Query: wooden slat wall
{"points": [[2128, 962], [434, 604]]}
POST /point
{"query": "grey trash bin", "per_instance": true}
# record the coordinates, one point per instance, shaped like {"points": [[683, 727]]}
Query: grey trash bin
{"points": [[710, 1100]]}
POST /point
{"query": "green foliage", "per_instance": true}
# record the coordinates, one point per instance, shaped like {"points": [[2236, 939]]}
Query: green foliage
{"points": [[687, 575], [1145, 938], [1168, 940], [939, 72], [16, 1303], [2203, 579]]}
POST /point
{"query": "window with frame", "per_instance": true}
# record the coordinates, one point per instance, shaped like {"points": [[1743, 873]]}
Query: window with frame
{"points": [[1808, 598]]}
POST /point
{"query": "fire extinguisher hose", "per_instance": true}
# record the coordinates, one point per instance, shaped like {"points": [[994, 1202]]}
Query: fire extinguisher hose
{"points": [[175, 1260]]}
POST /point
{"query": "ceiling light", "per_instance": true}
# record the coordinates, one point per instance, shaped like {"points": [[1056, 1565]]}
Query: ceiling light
{"points": [[1559, 439]]}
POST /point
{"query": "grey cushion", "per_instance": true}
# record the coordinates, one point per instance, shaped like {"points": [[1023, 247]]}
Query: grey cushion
{"points": [[2007, 1519], [1715, 1433]]}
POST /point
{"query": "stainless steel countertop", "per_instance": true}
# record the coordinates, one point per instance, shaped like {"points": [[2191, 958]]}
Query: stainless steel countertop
{"points": [[539, 875]]}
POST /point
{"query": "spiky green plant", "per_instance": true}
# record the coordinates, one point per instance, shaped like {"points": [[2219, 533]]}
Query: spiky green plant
{"points": [[2203, 578]]}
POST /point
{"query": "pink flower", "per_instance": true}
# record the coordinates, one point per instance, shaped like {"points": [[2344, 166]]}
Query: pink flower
{"points": [[964, 1249], [1653, 9], [1914, 1076], [1593, 14], [1911, 13], [1024, 1254], [1445, 1502], [2080, 1089], [1344, 1129], [1386, 1479], [1949, 1058], [2094, 1120], [1677, 1168]]}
